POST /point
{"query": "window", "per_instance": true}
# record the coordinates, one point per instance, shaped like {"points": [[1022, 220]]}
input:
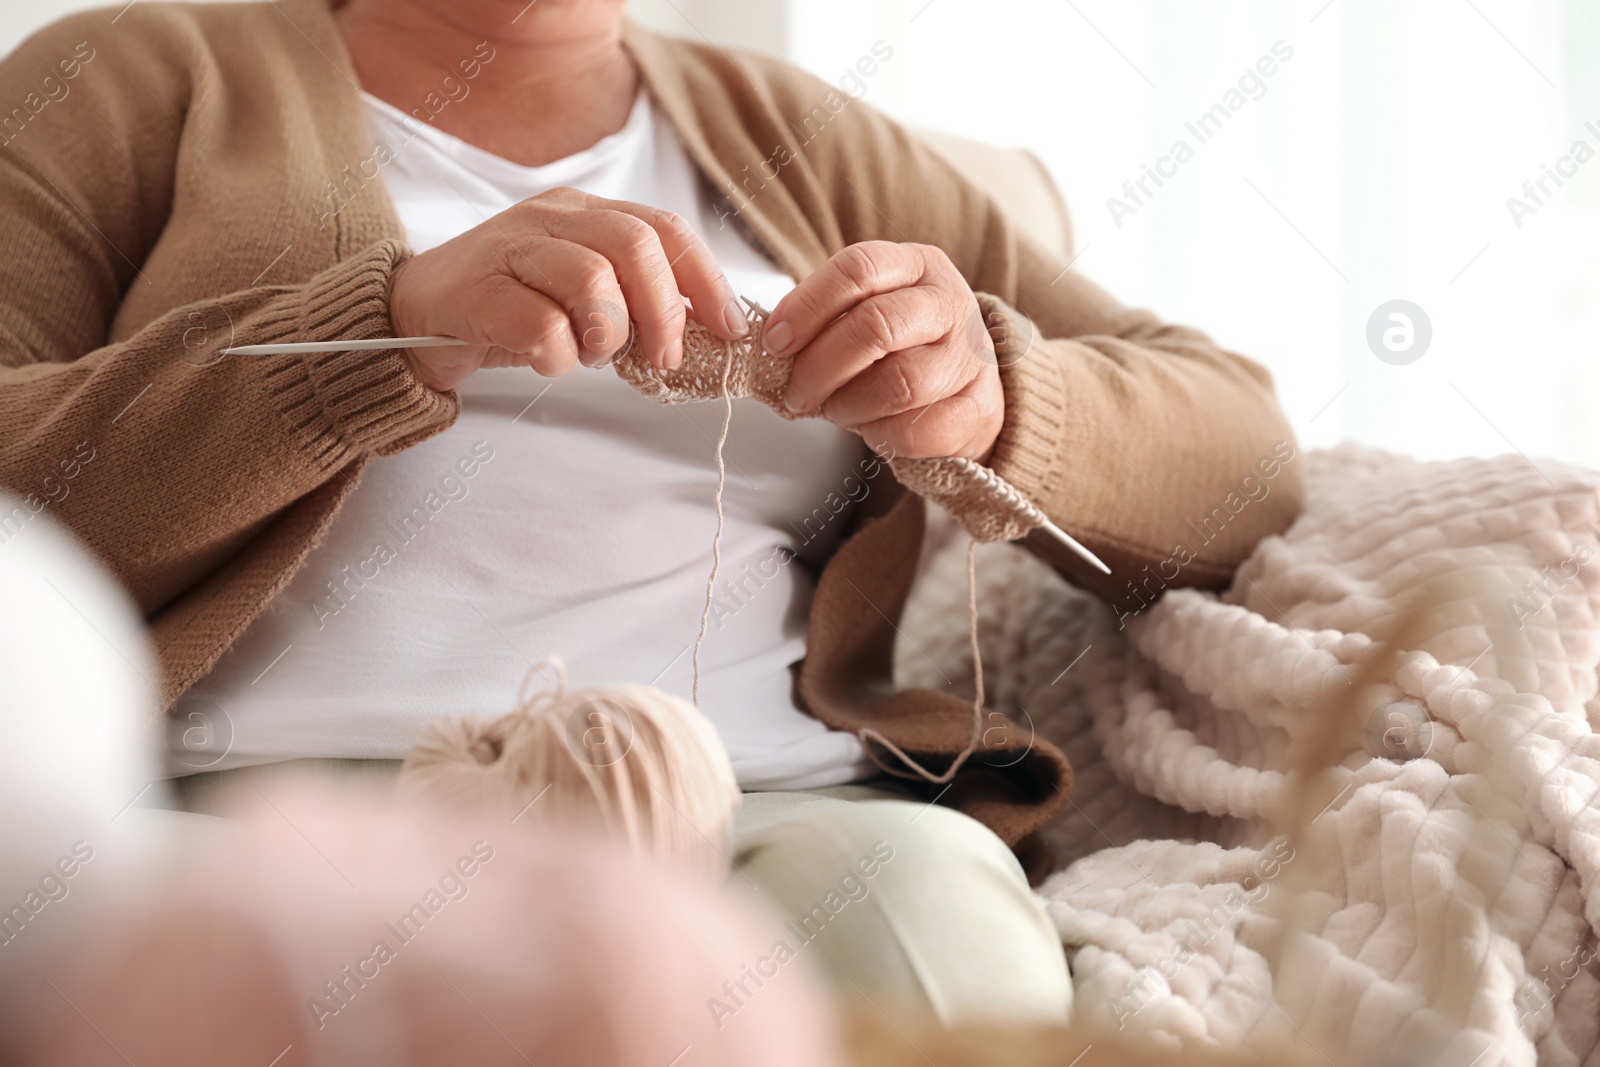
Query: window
{"points": [[1383, 158]]}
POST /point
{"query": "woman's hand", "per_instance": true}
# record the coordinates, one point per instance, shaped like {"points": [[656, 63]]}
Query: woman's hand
{"points": [[553, 281], [890, 343]]}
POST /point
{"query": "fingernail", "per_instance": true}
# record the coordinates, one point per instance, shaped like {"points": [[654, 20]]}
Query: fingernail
{"points": [[777, 337], [675, 355], [733, 316], [793, 402]]}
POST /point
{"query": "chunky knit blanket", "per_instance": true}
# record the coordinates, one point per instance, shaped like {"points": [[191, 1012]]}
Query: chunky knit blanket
{"points": [[1443, 908]]}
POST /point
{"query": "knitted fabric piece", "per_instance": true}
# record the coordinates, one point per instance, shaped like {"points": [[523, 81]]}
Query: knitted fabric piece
{"points": [[986, 505]]}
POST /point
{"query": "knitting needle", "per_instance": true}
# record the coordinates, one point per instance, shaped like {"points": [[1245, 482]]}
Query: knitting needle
{"points": [[379, 343], [1072, 543], [371, 344]]}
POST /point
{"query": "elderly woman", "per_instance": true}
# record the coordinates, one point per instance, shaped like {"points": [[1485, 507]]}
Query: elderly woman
{"points": [[333, 549]]}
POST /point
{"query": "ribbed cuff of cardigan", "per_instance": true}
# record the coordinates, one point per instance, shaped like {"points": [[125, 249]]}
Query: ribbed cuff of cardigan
{"points": [[343, 404], [1028, 451]]}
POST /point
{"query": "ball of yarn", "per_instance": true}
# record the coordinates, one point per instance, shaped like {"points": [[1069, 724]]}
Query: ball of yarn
{"points": [[641, 763]]}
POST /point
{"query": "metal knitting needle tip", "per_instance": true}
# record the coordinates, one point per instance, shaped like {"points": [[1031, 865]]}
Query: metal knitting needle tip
{"points": [[370, 344], [1067, 539]]}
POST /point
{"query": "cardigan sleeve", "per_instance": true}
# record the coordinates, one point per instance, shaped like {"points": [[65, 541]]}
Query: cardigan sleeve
{"points": [[1164, 453], [162, 456]]}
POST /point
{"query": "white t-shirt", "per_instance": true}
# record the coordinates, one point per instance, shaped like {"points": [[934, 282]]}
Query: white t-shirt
{"points": [[570, 516]]}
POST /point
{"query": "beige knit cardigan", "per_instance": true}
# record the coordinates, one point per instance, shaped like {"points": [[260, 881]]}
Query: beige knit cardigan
{"points": [[174, 192]]}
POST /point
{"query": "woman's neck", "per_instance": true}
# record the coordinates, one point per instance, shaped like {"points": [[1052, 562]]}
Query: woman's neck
{"points": [[529, 94]]}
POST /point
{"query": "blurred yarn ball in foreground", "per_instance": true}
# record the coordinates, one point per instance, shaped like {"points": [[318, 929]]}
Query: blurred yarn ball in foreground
{"points": [[323, 931]]}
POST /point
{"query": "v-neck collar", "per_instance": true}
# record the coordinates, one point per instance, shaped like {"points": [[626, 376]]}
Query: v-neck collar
{"points": [[720, 145], [556, 172], [691, 96]]}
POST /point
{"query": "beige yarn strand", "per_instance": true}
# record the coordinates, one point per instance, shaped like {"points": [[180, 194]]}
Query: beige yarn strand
{"points": [[700, 347], [866, 733], [716, 539]]}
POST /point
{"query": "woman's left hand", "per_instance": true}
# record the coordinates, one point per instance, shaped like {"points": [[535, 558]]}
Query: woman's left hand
{"points": [[889, 342]]}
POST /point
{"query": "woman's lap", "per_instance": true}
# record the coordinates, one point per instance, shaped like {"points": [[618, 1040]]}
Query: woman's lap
{"points": [[912, 904], [929, 909]]}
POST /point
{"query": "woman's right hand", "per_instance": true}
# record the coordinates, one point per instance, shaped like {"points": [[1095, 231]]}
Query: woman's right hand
{"points": [[553, 281]]}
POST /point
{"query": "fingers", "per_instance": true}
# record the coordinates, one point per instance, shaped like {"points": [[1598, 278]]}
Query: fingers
{"points": [[634, 252], [965, 423], [849, 345], [658, 259], [697, 275], [583, 283], [899, 383], [883, 342], [598, 262], [529, 326], [852, 275]]}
